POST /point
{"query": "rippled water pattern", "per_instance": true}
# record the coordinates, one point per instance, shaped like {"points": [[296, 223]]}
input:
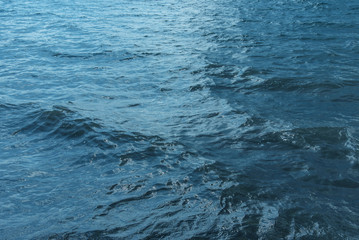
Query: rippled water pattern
{"points": [[156, 119]]}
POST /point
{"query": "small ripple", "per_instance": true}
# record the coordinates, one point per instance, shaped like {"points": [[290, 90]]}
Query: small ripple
{"points": [[289, 85], [107, 54]]}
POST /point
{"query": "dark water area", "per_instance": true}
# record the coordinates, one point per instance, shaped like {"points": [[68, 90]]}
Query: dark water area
{"points": [[176, 119]]}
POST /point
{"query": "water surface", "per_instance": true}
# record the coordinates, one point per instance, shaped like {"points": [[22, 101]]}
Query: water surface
{"points": [[179, 119]]}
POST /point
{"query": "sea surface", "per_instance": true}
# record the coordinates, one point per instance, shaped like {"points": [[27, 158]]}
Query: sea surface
{"points": [[168, 119]]}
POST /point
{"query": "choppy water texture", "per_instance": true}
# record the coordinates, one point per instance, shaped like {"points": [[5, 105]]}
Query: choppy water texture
{"points": [[179, 119]]}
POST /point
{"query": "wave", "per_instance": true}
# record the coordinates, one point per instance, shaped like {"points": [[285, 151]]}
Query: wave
{"points": [[58, 122]]}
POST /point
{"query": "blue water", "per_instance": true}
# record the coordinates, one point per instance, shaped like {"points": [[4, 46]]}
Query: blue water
{"points": [[177, 119]]}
